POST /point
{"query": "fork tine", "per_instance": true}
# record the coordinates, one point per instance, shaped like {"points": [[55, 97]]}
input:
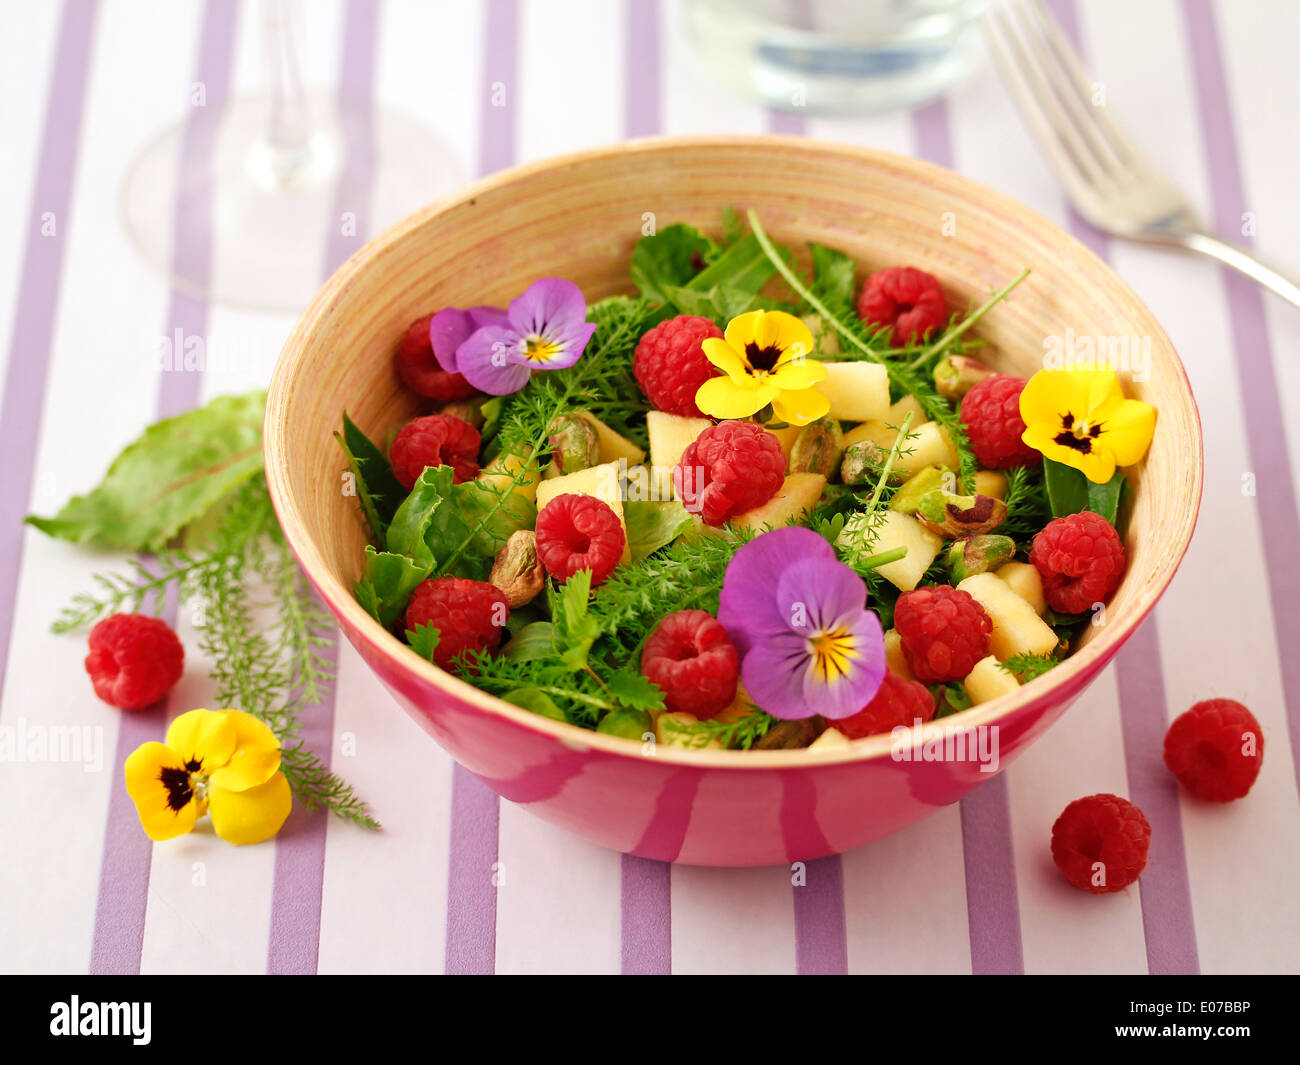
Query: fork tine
{"points": [[1095, 118], [1055, 132]]}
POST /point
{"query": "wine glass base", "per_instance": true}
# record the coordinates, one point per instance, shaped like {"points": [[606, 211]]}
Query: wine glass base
{"points": [[271, 216]]}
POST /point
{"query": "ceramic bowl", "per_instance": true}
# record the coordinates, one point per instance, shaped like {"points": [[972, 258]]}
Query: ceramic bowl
{"points": [[578, 216]]}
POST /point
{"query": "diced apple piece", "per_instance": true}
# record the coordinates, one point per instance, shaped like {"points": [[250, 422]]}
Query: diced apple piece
{"points": [[599, 481], [831, 739], [1023, 579], [909, 404], [668, 736], [895, 660], [798, 493], [991, 483], [501, 474], [857, 391], [987, 680], [670, 435], [614, 446], [1017, 628], [928, 445], [899, 530], [786, 437]]}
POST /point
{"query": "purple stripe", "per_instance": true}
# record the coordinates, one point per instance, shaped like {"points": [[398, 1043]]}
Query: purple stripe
{"points": [[293, 944], [641, 107], [1139, 672], [992, 903], [646, 908], [820, 939], [475, 809], [1260, 396], [500, 75], [31, 343], [471, 893], [647, 917], [124, 872]]}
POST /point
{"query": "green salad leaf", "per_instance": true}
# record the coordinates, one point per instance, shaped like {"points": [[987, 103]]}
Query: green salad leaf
{"points": [[167, 478], [379, 491], [1069, 491], [672, 256], [652, 524]]}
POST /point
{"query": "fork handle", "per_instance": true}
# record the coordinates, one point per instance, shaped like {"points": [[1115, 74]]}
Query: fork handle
{"points": [[1240, 259]]}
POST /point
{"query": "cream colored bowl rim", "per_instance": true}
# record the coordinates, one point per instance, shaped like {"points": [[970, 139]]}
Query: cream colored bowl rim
{"points": [[381, 642]]}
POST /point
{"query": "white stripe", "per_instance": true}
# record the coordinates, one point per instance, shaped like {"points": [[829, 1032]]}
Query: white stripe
{"points": [[732, 921], [570, 74], [100, 392]]}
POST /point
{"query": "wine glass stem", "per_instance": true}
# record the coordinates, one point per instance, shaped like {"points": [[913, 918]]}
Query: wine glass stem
{"points": [[287, 133]]}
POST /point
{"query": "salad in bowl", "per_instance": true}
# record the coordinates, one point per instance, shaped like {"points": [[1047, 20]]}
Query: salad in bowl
{"points": [[754, 506]]}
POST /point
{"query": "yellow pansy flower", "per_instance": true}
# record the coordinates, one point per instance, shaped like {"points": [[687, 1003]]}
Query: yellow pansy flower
{"points": [[764, 359], [225, 763], [1080, 418]]}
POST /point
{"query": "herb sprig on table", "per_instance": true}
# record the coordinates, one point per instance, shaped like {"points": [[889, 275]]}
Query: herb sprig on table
{"points": [[190, 495]]}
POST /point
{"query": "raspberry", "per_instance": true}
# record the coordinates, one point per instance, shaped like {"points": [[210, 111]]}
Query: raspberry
{"points": [[670, 365], [134, 660], [1080, 559], [421, 372], [730, 468], [690, 657], [469, 616], [579, 532], [1215, 749], [906, 299], [944, 632], [897, 702], [1100, 843], [435, 440], [991, 413]]}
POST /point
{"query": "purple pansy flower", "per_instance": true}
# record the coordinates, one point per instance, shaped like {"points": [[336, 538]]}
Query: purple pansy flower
{"points": [[799, 620], [451, 327], [545, 328]]}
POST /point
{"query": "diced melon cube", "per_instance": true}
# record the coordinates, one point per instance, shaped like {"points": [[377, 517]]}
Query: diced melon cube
{"points": [[1017, 628], [909, 404], [1023, 579], [500, 476], [895, 660], [898, 530], [614, 446], [831, 739], [928, 444], [670, 435], [599, 481], [987, 680], [991, 483], [824, 335], [857, 391], [798, 493]]}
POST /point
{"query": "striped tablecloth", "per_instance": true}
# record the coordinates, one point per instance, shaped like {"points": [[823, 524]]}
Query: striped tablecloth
{"points": [[459, 881]]}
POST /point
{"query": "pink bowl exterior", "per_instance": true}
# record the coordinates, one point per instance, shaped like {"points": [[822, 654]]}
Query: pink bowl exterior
{"points": [[702, 815]]}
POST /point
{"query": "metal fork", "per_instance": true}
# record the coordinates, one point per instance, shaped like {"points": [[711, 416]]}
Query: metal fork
{"points": [[1106, 178]]}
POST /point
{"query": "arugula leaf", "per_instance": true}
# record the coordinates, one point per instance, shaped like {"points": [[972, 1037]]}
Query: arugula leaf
{"points": [[834, 275], [1069, 491], [387, 583], [169, 476], [651, 525], [672, 256], [379, 491], [424, 640], [633, 690]]}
